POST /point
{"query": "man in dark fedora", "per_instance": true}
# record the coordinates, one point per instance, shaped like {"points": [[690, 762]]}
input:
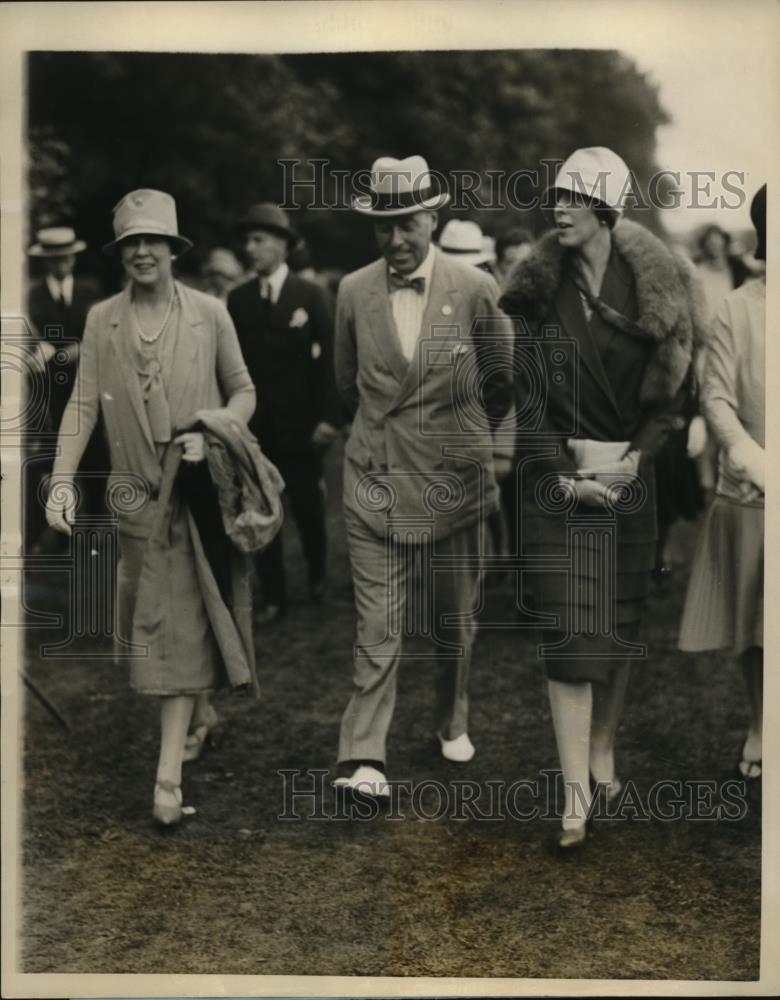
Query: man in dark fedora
{"points": [[57, 304], [423, 360], [285, 329]]}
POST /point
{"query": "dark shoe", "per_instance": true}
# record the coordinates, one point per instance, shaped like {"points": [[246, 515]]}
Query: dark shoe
{"points": [[270, 615], [317, 591]]}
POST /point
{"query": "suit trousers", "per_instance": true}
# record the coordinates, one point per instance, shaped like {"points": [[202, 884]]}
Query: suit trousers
{"points": [[403, 589], [302, 475]]}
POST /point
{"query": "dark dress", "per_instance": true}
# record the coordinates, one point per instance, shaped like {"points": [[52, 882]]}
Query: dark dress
{"points": [[596, 593]]}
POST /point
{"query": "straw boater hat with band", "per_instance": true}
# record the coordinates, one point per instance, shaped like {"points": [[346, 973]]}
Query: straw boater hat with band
{"points": [[147, 213], [56, 241], [400, 187]]}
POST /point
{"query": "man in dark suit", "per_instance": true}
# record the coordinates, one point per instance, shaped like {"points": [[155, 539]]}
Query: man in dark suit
{"points": [[424, 360], [285, 329], [57, 306]]}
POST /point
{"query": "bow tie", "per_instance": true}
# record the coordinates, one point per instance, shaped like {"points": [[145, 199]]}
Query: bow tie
{"points": [[398, 281]]}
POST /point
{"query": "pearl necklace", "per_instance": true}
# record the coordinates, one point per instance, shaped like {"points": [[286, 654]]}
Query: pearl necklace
{"points": [[156, 336]]}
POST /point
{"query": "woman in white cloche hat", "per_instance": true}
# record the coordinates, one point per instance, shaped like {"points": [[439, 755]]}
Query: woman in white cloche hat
{"points": [[595, 402]]}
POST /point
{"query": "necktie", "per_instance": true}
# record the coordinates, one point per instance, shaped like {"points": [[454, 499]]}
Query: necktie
{"points": [[265, 289], [398, 281]]}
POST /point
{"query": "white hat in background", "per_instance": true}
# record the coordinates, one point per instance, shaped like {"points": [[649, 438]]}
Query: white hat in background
{"points": [[463, 239]]}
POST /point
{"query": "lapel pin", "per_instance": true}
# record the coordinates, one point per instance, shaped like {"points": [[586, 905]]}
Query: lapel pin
{"points": [[446, 309]]}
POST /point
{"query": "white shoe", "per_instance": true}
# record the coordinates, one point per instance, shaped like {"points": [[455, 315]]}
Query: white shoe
{"points": [[366, 780], [460, 750]]}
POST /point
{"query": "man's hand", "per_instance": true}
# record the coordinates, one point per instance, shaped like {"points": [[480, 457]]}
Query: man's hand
{"points": [[324, 435], [61, 505], [194, 446]]}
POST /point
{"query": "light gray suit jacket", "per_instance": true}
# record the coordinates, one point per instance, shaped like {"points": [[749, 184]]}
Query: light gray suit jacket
{"points": [[421, 446]]}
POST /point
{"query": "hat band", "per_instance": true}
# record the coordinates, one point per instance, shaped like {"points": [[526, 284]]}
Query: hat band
{"points": [[387, 202], [456, 250]]}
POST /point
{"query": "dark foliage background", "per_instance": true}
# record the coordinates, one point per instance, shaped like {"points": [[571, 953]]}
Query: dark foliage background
{"points": [[211, 129]]}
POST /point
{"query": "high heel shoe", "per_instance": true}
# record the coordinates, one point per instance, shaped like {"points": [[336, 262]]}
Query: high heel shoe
{"points": [[610, 790], [200, 736], [574, 837], [167, 813]]}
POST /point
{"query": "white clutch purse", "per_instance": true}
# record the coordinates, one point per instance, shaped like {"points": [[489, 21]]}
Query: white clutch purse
{"points": [[593, 456]]}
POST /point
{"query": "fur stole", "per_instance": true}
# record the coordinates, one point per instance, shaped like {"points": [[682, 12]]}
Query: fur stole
{"points": [[669, 301]]}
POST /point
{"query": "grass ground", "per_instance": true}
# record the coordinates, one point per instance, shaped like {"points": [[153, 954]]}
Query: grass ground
{"points": [[235, 890]]}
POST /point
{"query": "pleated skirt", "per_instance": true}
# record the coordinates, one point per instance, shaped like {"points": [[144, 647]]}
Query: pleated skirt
{"points": [[598, 603], [724, 606]]}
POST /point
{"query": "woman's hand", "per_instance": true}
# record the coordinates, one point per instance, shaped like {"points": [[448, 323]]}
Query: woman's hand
{"points": [[590, 492], [61, 505], [628, 465], [746, 461], [194, 445], [697, 437]]}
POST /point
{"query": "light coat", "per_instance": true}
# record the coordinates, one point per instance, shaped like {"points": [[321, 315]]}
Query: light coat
{"points": [[421, 449]]}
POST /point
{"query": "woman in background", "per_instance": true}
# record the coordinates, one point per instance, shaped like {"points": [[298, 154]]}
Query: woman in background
{"points": [[724, 604]]}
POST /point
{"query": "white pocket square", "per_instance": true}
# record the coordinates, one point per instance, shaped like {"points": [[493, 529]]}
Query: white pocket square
{"points": [[299, 318]]}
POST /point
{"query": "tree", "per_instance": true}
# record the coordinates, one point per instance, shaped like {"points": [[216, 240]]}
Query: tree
{"points": [[211, 129]]}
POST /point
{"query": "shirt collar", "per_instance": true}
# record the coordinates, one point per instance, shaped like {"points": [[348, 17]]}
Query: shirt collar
{"points": [[276, 280], [424, 270], [61, 288]]}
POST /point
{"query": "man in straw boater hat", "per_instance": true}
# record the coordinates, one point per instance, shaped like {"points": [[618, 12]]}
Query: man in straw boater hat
{"points": [[423, 360], [57, 305], [285, 328]]}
